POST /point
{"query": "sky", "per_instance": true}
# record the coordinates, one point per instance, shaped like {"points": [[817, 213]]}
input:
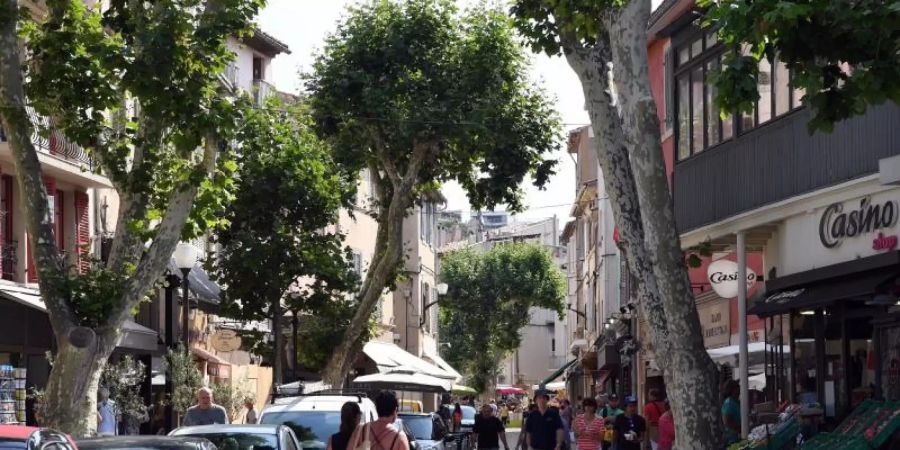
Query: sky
{"points": [[303, 25]]}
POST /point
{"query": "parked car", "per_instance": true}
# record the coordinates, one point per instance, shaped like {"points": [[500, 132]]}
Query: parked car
{"points": [[430, 431], [413, 445], [244, 437], [468, 418], [13, 437], [146, 443], [315, 417]]}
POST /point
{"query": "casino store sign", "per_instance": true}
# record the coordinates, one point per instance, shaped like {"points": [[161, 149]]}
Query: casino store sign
{"points": [[865, 217]]}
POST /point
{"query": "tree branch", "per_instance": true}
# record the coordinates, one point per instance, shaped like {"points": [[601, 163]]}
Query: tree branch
{"points": [[38, 220]]}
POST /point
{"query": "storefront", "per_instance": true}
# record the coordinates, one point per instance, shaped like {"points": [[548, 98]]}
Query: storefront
{"points": [[838, 298]]}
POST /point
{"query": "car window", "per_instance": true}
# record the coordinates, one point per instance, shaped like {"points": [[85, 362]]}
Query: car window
{"points": [[440, 431], [468, 413], [240, 441], [421, 426], [10, 444], [313, 428]]}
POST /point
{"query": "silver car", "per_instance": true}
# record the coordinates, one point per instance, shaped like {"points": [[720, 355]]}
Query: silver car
{"points": [[430, 431], [244, 437]]}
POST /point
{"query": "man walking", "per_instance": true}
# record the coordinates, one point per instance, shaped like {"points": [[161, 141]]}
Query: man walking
{"points": [[205, 412], [609, 412], [544, 429], [107, 414], [488, 431], [630, 428], [250, 417]]}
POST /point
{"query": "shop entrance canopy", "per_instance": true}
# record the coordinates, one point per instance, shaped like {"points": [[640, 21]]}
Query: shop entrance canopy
{"points": [[858, 287], [403, 379]]}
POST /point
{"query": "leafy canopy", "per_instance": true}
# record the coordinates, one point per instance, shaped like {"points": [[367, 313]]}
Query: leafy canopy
{"points": [[489, 298], [278, 244], [400, 77], [845, 55]]}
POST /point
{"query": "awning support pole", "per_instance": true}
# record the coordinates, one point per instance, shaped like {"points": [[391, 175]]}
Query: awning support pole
{"points": [[743, 358]]}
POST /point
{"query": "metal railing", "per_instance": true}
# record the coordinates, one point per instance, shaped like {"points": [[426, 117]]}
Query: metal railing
{"points": [[55, 142], [231, 74], [9, 259], [262, 90]]}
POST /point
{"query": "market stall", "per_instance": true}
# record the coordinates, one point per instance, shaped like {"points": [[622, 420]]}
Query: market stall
{"points": [[12, 395], [870, 426]]}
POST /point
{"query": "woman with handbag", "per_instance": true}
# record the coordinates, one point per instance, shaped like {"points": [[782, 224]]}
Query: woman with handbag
{"points": [[589, 428], [382, 434]]}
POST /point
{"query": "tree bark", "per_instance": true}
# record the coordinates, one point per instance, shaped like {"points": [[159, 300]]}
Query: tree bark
{"points": [[277, 364], [636, 182]]}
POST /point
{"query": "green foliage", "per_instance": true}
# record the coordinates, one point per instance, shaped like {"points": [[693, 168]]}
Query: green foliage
{"points": [[846, 55], [320, 333], [231, 396], [488, 301], [186, 378], [123, 379], [544, 22], [289, 192], [405, 77]]}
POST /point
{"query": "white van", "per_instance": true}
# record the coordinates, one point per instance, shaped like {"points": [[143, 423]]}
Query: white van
{"points": [[315, 417]]}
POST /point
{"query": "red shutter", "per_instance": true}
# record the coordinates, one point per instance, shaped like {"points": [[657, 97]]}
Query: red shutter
{"points": [[82, 231], [50, 186], [60, 221]]}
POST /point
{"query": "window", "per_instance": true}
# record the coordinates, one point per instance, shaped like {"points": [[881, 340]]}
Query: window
{"points": [[699, 124], [358, 263], [553, 345]]}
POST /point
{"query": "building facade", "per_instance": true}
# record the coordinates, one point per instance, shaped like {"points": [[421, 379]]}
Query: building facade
{"points": [[819, 209]]}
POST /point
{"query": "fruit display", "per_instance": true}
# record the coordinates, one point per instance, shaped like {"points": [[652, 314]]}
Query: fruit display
{"points": [[12, 395], [773, 436], [870, 425]]}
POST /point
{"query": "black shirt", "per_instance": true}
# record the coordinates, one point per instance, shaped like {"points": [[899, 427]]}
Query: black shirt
{"points": [[625, 424], [542, 428], [339, 441], [487, 429]]}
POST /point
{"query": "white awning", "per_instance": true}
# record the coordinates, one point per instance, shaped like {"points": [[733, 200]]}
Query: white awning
{"points": [[404, 379], [444, 365], [24, 295], [388, 357], [727, 354]]}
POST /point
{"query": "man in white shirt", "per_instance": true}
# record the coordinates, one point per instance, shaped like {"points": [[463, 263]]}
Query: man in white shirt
{"points": [[107, 415]]}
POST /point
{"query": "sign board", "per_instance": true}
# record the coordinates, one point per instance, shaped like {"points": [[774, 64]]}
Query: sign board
{"points": [[225, 341], [723, 276], [715, 320]]}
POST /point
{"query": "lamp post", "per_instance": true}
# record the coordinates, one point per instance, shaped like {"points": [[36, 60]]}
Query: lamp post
{"points": [[441, 289], [185, 257]]}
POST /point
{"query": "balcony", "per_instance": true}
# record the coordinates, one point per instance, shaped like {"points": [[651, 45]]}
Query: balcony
{"points": [[9, 259], [56, 143], [262, 90], [230, 74], [780, 160]]}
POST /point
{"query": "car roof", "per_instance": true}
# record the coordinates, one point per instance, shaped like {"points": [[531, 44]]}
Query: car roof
{"points": [[17, 432], [211, 429], [328, 403], [120, 442]]}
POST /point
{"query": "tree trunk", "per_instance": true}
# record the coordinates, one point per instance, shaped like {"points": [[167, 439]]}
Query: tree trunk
{"points": [[278, 363], [70, 401], [295, 341], [636, 181]]}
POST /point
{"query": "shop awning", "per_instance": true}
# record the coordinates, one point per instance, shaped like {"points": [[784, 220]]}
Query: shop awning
{"points": [[199, 283], [856, 287], [557, 373], [215, 366], [729, 353], [443, 365], [134, 337], [388, 357], [403, 379]]}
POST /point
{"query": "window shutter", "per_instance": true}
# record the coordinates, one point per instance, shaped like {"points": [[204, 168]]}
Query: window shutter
{"points": [[60, 221], [668, 87], [82, 231]]}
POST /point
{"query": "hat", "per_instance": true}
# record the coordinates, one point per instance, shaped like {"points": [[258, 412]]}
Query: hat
{"points": [[631, 400], [613, 397]]}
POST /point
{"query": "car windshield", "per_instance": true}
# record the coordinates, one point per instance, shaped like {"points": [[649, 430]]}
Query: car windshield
{"points": [[240, 441], [10, 444], [468, 413], [422, 427], [313, 428]]}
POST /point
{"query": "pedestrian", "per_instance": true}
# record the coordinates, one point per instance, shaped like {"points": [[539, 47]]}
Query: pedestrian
{"points": [[250, 417], [489, 431], [544, 430], [521, 444], [494, 408], [107, 414], [629, 427], [382, 434], [567, 416], [652, 412], [588, 427], [666, 429], [731, 411], [350, 416], [504, 414], [457, 418], [609, 413], [205, 412]]}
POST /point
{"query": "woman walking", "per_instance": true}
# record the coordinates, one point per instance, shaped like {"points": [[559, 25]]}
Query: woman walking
{"points": [[588, 427], [350, 416], [457, 418]]}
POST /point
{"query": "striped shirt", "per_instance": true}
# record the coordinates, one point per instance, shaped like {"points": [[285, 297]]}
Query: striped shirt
{"points": [[590, 434]]}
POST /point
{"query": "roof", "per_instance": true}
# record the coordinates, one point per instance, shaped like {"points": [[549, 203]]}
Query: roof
{"points": [[568, 231], [444, 365], [211, 429], [266, 43], [199, 282]]}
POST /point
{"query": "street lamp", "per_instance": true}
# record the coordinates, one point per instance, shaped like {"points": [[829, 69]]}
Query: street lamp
{"points": [[185, 256], [441, 289]]}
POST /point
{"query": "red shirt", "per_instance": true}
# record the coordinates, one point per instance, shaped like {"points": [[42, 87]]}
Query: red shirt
{"points": [[653, 411], [666, 432], [589, 434]]}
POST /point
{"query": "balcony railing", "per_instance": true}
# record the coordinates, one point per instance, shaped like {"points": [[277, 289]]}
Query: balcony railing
{"points": [[55, 143], [9, 259], [231, 74], [262, 90]]}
